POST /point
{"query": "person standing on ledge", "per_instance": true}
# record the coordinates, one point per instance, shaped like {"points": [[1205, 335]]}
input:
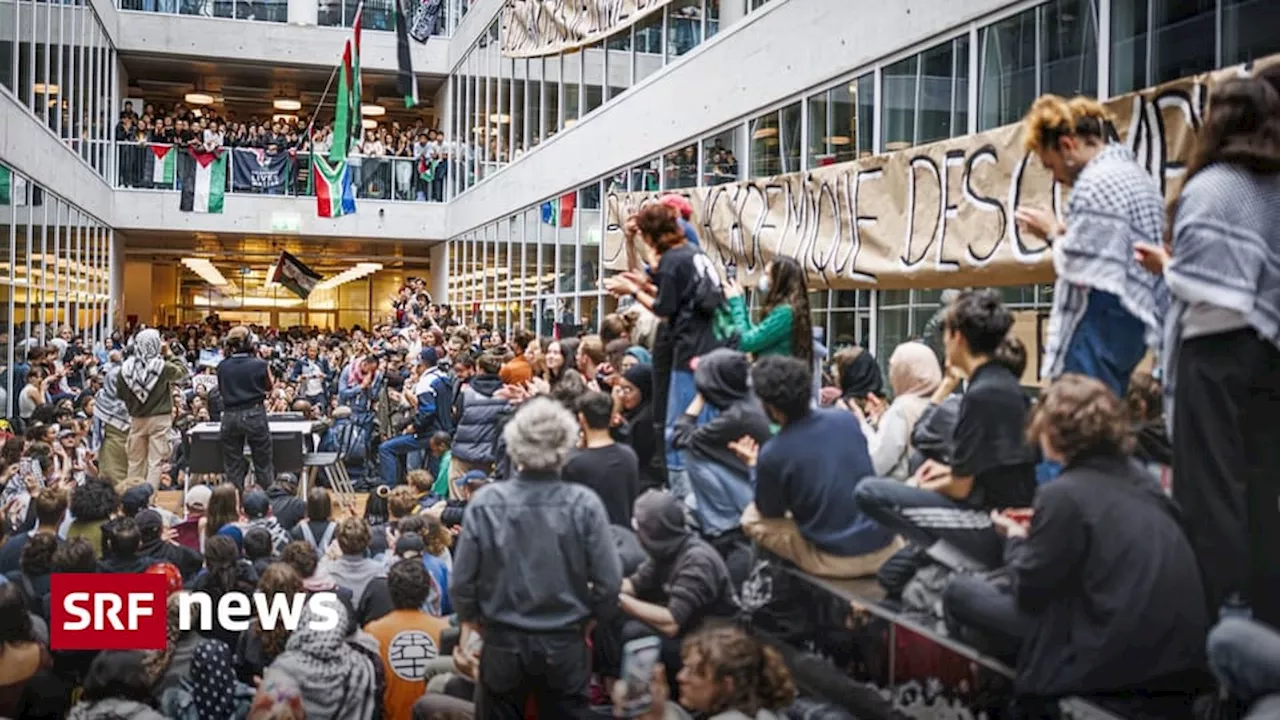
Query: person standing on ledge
{"points": [[145, 384], [244, 379], [1107, 310]]}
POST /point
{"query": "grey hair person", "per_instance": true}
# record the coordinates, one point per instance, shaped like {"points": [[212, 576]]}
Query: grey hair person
{"points": [[540, 435]]}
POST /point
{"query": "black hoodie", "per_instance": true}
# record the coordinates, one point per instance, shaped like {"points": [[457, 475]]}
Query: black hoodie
{"points": [[721, 379], [288, 508]]}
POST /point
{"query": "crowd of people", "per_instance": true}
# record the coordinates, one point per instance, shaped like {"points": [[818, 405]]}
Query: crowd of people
{"points": [[540, 509], [204, 130]]}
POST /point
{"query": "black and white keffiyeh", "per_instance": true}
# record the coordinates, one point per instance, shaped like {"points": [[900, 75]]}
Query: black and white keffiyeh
{"points": [[1226, 254], [336, 680], [142, 370], [1114, 205]]}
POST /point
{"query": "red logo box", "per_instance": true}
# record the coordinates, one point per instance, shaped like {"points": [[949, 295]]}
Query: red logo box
{"points": [[107, 612]]}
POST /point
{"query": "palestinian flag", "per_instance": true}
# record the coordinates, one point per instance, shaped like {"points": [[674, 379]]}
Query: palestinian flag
{"points": [[291, 273], [427, 169], [10, 185], [559, 212], [204, 181], [166, 160], [406, 81], [332, 182]]}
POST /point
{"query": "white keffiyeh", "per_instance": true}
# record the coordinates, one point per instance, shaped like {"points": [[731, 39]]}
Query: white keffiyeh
{"points": [[1114, 205], [142, 370], [336, 680]]}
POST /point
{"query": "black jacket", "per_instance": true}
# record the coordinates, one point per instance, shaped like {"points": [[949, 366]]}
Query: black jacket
{"points": [[476, 435], [187, 561], [286, 506], [1111, 580]]}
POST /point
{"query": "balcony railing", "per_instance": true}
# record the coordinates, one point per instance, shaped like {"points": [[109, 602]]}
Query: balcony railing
{"points": [[425, 17], [286, 173]]}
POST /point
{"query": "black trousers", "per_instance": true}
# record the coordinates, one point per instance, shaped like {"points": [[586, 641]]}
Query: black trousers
{"points": [[553, 667], [987, 614], [237, 427], [1226, 465]]}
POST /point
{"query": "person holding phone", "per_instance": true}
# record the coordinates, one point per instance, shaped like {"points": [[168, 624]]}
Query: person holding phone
{"points": [[785, 325]]}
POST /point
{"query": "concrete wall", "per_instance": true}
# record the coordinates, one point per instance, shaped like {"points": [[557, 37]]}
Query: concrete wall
{"points": [[204, 38], [769, 56], [259, 214]]}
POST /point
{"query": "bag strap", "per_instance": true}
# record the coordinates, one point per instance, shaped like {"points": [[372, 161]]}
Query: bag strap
{"points": [[327, 537], [306, 532]]}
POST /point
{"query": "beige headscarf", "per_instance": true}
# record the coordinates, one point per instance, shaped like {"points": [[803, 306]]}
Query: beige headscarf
{"points": [[913, 374]]}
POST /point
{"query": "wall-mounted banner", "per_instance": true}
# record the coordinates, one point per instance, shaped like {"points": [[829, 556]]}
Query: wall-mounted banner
{"points": [[938, 215], [531, 28]]}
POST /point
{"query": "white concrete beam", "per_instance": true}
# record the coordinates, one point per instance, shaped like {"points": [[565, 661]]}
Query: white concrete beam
{"points": [[32, 149]]}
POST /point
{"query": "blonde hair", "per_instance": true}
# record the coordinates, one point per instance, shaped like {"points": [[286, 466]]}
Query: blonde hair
{"points": [[1052, 117]]}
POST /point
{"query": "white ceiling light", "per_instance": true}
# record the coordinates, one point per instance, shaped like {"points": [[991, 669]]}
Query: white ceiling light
{"points": [[198, 98], [373, 110], [43, 89], [206, 271], [360, 270], [368, 124], [287, 104], [500, 119]]}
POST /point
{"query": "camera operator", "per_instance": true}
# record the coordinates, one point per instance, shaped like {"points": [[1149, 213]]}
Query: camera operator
{"points": [[244, 379]]}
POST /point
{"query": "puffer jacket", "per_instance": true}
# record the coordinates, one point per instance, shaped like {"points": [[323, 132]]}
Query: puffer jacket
{"points": [[478, 426]]}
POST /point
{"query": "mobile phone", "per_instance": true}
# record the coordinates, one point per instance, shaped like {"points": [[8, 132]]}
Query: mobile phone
{"points": [[475, 643], [638, 660], [731, 271]]}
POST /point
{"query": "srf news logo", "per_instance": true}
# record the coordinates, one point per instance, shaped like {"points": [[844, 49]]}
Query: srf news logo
{"points": [[130, 611]]}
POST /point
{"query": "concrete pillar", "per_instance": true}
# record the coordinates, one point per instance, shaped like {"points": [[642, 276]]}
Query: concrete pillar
{"points": [[731, 11], [115, 284], [304, 12], [440, 272]]}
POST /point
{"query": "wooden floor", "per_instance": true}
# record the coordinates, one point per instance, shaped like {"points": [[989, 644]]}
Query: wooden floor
{"points": [[171, 500]]}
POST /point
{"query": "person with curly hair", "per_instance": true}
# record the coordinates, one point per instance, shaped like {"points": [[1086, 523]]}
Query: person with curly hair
{"points": [[1105, 598], [92, 504], [259, 646], [727, 675]]}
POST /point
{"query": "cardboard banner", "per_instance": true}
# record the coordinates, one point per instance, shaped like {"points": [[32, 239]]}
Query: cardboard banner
{"points": [[932, 216], [532, 28]]}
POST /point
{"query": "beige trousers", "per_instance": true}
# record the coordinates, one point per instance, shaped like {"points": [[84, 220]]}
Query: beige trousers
{"points": [[113, 456], [149, 447], [458, 468], [781, 536]]}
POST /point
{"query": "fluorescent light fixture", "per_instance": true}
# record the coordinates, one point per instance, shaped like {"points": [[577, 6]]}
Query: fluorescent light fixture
{"points": [[764, 132], [206, 271], [372, 110], [839, 140], [500, 119], [198, 98], [570, 122], [355, 273], [43, 89], [286, 104], [368, 124]]}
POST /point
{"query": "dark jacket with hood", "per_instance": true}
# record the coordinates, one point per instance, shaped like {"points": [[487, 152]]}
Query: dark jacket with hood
{"points": [[157, 550], [478, 426], [721, 379], [640, 432], [683, 572], [286, 506]]}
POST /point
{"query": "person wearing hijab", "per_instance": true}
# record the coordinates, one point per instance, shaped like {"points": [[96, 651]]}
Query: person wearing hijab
{"points": [[210, 691], [914, 374], [858, 377], [721, 482], [337, 681], [145, 384], [633, 399], [636, 355], [683, 582]]}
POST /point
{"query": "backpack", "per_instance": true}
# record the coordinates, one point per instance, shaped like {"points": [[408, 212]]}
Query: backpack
{"points": [[325, 538]]}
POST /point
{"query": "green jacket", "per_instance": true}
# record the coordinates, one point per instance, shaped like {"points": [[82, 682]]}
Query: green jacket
{"points": [[160, 401], [771, 337], [441, 486]]}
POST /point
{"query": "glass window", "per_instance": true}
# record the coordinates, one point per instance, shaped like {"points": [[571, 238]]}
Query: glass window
{"points": [[684, 26], [618, 64], [1007, 77], [713, 17], [8, 19], [834, 124], [552, 88], [572, 87], [519, 109], [866, 92], [1248, 30], [1173, 34], [537, 109], [680, 168], [1069, 48], [720, 158], [944, 91], [593, 77], [899, 84], [775, 142], [648, 44]]}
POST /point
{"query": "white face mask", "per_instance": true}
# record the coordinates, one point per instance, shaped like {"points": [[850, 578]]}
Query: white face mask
{"points": [[763, 285]]}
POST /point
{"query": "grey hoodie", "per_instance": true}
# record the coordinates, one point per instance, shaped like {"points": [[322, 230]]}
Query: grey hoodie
{"points": [[354, 572]]}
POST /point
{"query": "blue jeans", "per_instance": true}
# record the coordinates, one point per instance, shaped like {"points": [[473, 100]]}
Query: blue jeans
{"points": [[682, 392], [1108, 343], [722, 495], [390, 452], [1245, 657]]}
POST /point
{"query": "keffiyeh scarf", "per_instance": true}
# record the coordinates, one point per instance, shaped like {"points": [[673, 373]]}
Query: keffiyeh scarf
{"points": [[336, 680], [1226, 237], [142, 370], [1114, 205]]}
